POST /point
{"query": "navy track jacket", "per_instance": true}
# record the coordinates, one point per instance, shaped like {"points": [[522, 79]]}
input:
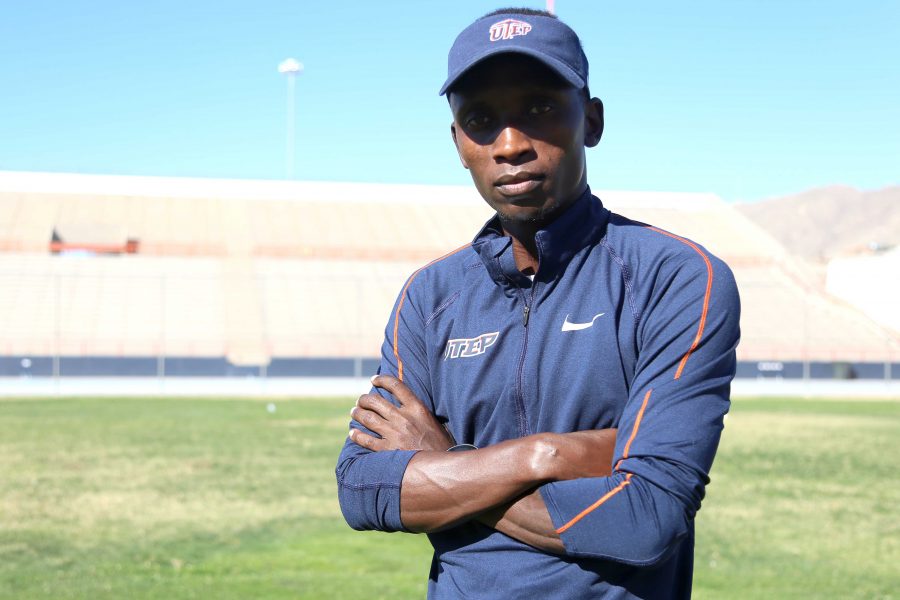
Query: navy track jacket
{"points": [[624, 325]]}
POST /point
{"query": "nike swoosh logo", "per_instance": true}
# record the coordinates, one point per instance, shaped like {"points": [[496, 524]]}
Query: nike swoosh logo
{"points": [[569, 326]]}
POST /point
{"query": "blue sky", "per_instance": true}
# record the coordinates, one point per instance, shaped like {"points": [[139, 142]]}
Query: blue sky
{"points": [[747, 99]]}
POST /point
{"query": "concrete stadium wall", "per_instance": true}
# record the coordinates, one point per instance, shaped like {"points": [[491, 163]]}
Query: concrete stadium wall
{"points": [[151, 366]]}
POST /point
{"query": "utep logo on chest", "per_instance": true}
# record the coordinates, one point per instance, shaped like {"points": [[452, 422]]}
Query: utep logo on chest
{"points": [[508, 29], [468, 347]]}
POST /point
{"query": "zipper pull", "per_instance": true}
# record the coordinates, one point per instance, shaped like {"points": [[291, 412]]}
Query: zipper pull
{"points": [[525, 312]]}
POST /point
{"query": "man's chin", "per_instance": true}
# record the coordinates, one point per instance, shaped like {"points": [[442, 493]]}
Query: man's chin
{"points": [[521, 217], [526, 215]]}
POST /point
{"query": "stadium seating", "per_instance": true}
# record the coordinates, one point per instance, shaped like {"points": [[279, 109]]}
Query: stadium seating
{"points": [[110, 306], [256, 271]]}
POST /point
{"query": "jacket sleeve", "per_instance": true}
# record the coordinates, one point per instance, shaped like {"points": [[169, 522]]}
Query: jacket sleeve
{"points": [[670, 427], [369, 482]]}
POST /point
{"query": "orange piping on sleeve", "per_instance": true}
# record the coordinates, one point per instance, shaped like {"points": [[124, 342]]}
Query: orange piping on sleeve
{"points": [[596, 504], [709, 279], [400, 305], [626, 481], [634, 430]]}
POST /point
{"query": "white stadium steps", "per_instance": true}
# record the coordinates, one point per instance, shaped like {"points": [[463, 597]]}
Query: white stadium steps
{"points": [[256, 270]]}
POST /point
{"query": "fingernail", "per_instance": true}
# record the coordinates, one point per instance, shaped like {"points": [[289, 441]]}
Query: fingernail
{"points": [[372, 379]]}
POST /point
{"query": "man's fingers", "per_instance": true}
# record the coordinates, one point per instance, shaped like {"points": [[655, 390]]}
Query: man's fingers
{"points": [[403, 394], [365, 440], [370, 419], [377, 404]]}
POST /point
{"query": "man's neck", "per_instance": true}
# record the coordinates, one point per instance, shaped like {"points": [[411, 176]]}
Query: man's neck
{"points": [[523, 233], [523, 245]]}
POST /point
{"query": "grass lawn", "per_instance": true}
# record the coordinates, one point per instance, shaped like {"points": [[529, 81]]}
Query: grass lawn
{"points": [[175, 498]]}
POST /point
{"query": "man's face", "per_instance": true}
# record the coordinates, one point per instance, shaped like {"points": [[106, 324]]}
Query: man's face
{"points": [[521, 132]]}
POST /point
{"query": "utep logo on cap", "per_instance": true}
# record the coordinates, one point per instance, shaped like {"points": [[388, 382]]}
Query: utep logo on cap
{"points": [[508, 29]]}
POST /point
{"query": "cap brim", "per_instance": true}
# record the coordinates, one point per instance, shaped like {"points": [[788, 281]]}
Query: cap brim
{"points": [[557, 66]]}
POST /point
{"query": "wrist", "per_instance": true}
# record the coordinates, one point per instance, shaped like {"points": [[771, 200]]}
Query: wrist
{"points": [[462, 448]]}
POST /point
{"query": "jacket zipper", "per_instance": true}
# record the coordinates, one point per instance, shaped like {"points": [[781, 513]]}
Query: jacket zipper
{"points": [[520, 396]]}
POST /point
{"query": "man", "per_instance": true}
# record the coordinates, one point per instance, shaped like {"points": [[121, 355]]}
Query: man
{"points": [[561, 325]]}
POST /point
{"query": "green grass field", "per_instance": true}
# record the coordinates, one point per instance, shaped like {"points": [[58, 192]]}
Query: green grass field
{"points": [[175, 498]]}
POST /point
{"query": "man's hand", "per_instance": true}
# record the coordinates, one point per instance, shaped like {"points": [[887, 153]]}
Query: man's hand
{"points": [[410, 426]]}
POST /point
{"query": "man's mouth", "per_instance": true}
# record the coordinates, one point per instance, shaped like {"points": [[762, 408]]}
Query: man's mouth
{"points": [[516, 184]]}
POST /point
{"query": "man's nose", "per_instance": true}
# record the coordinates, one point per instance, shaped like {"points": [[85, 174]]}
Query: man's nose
{"points": [[512, 146]]}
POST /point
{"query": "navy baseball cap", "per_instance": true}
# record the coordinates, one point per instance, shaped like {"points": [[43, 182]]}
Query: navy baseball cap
{"points": [[546, 39]]}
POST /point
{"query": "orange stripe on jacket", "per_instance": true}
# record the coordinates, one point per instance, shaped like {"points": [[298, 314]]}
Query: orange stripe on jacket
{"points": [[634, 430], [621, 486], [709, 279], [596, 504], [403, 298]]}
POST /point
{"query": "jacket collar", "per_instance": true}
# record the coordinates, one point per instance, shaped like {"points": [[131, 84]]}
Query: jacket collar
{"points": [[580, 225]]}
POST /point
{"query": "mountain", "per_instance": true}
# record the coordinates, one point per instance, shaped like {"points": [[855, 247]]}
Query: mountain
{"points": [[823, 223]]}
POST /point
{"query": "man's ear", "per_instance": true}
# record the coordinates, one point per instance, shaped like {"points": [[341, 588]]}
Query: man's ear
{"points": [[593, 117], [456, 143]]}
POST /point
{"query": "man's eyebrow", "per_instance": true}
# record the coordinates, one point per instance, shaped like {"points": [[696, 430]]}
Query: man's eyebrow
{"points": [[464, 105]]}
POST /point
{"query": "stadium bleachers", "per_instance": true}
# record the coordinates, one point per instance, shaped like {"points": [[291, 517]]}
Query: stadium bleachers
{"points": [[111, 306], [253, 273]]}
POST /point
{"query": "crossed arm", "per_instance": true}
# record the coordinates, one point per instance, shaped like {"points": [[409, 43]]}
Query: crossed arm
{"points": [[496, 485]]}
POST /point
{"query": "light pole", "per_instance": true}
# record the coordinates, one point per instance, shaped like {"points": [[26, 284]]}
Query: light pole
{"points": [[290, 68], [551, 8]]}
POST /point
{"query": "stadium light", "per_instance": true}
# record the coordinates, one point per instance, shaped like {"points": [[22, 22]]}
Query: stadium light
{"points": [[290, 68]]}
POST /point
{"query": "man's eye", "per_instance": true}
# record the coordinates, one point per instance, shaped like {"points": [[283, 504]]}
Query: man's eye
{"points": [[477, 121], [539, 109]]}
